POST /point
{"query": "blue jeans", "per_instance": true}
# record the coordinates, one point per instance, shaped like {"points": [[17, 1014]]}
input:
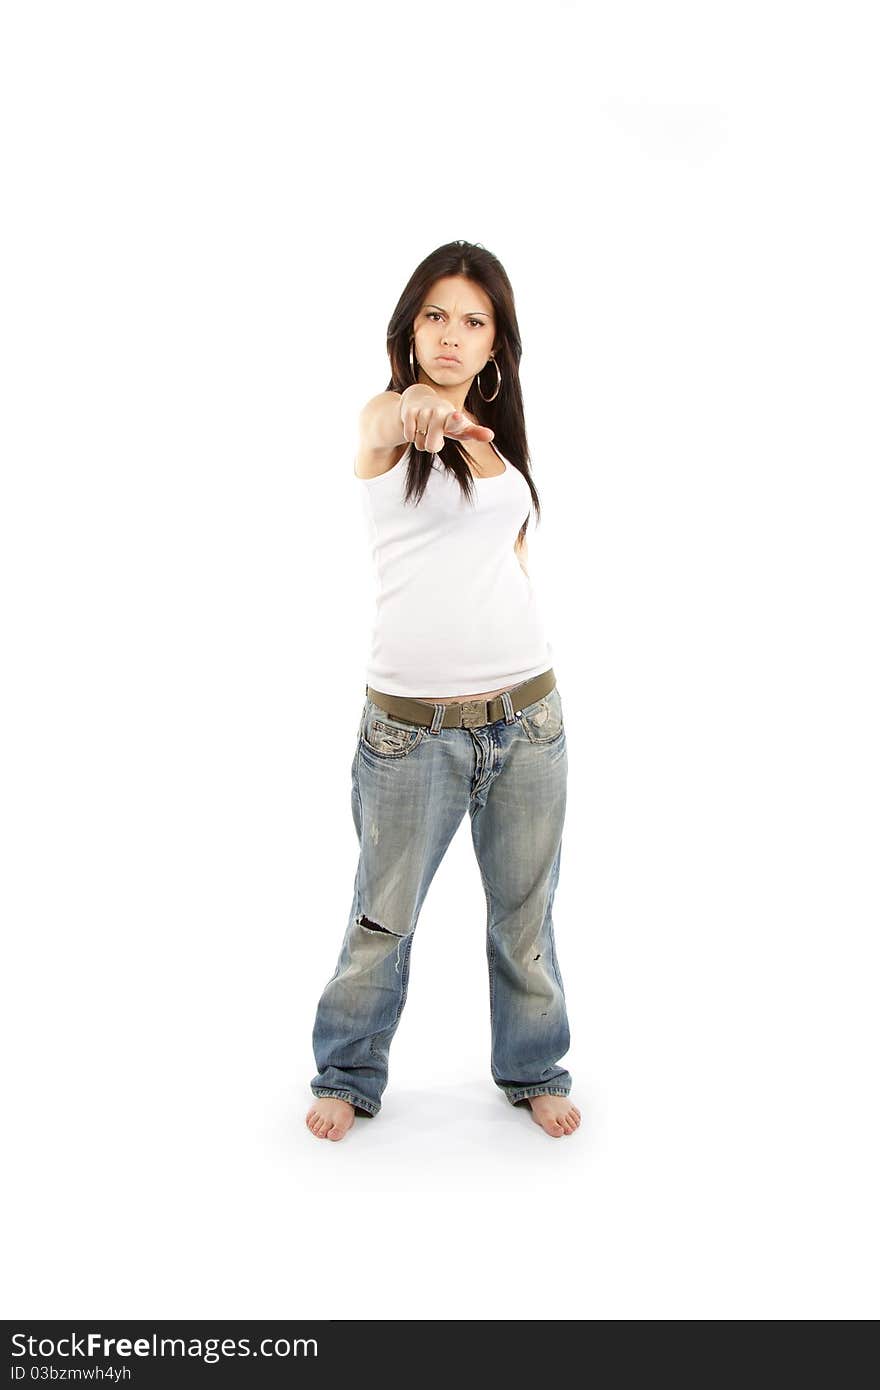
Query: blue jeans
{"points": [[410, 790]]}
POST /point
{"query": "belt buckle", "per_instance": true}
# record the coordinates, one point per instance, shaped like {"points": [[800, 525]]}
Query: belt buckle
{"points": [[473, 713]]}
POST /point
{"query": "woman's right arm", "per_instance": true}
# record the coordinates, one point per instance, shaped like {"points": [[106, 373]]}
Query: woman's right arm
{"points": [[381, 421], [391, 419]]}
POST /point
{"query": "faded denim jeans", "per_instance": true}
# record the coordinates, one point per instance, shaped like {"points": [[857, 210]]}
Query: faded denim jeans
{"points": [[410, 789]]}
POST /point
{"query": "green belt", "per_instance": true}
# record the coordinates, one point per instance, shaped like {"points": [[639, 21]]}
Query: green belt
{"points": [[465, 714]]}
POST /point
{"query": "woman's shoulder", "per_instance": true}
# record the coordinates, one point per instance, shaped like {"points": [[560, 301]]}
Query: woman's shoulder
{"points": [[374, 463]]}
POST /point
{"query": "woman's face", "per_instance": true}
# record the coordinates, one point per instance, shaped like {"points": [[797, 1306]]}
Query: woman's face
{"points": [[455, 321]]}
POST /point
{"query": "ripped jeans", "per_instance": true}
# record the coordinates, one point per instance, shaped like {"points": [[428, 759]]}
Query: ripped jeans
{"points": [[410, 790]]}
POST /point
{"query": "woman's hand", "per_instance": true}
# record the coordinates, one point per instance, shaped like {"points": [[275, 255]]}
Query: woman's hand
{"points": [[428, 417]]}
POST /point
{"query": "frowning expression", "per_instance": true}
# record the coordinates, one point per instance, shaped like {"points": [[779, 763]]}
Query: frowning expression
{"points": [[454, 331]]}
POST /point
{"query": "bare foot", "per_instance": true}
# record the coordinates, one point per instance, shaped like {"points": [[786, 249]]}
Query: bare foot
{"points": [[555, 1114], [330, 1118]]}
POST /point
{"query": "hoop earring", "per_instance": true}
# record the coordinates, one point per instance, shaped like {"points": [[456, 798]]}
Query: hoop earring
{"points": [[497, 388], [412, 365]]}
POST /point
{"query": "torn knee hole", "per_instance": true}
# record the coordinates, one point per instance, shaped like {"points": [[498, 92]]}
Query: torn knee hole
{"points": [[373, 926]]}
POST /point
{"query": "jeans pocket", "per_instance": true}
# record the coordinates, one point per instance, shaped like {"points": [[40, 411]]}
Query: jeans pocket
{"points": [[388, 737], [543, 721]]}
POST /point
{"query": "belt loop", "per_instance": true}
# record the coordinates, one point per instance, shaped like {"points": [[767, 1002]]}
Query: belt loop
{"points": [[506, 701], [437, 721]]}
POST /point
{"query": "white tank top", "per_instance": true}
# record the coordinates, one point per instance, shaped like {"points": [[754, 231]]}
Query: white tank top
{"points": [[455, 610]]}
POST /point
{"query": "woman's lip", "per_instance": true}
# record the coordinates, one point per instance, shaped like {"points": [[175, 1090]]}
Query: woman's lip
{"points": [[448, 359]]}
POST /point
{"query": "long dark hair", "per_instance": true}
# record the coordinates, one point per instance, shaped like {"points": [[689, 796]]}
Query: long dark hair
{"points": [[505, 414]]}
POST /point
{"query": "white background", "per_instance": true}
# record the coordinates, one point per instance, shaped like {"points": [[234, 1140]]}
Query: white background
{"points": [[210, 213]]}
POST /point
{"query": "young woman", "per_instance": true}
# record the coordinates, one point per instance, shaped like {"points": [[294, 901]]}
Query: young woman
{"points": [[462, 710]]}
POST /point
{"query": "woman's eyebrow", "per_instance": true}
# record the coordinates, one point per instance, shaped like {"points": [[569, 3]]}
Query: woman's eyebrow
{"points": [[473, 314]]}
